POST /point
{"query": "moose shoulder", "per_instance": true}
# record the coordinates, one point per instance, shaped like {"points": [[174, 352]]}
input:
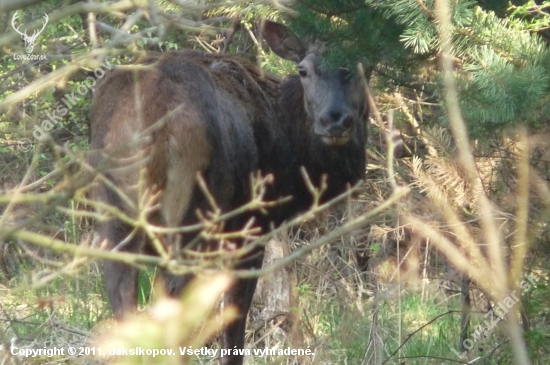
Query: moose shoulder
{"points": [[178, 114]]}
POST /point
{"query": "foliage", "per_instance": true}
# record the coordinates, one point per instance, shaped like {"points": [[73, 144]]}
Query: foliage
{"points": [[352, 32], [504, 67], [502, 64]]}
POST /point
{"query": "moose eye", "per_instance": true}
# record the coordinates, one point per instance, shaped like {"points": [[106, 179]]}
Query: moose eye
{"points": [[302, 71]]}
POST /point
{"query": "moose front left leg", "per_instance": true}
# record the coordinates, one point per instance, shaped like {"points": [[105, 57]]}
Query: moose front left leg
{"points": [[240, 296]]}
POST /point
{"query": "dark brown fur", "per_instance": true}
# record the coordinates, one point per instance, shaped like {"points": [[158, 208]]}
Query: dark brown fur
{"points": [[219, 116]]}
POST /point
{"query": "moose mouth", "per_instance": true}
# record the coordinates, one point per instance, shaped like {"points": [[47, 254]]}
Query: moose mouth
{"points": [[335, 140], [333, 135]]}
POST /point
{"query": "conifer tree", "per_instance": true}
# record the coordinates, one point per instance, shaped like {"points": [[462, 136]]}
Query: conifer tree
{"points": [[504, 65]]}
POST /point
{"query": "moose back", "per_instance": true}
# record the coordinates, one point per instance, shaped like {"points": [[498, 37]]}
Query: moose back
{"points": [[178, 114]]}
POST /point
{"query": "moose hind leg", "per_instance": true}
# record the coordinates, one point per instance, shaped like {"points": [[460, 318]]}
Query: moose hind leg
{"points": [[120, 279]]}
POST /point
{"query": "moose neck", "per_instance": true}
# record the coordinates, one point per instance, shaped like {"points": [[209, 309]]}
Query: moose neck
{"points": [[344, 165]]}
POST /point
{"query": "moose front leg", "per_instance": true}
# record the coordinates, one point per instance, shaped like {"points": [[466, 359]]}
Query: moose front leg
{"points": [[233, 335], [240, 296]]}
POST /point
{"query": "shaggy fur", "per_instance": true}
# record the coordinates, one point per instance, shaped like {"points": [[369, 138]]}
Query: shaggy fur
{"points": [[183, 113]]}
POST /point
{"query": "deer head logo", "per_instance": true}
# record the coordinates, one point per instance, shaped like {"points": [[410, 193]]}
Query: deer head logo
{"points": [[29, 40]]}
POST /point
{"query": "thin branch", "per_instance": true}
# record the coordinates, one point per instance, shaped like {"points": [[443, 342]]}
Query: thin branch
{"points": [[79, 250], [416, 331], [338, 232], [64, 12], [9, 5]]}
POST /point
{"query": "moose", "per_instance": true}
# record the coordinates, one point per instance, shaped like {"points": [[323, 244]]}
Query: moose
{"points": [[221, 117]]}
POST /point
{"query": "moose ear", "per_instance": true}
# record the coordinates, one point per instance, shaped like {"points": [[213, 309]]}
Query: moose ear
{"points": [[283, 42]]}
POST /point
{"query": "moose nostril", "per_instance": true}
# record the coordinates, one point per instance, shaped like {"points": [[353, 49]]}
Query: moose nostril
{"points": [[336, 123], [347, 121], [337, 126], [332, 117], [335, 115]]}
